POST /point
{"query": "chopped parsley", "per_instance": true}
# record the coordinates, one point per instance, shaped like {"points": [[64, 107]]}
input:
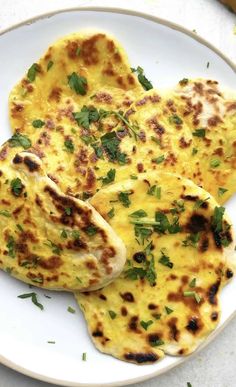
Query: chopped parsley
{"points": [[86, 116], [55, 248], [97, 150], [154, 190], [165, 260], [84, 356], [159, 159], [49, 65], [214, 163], [91, 230], [200, 133], [109, 178], [124, 198], [134, 177], [38, 123], [69, 146], [148, 272], [111, 213], [146, 324], [88, 139], [16, 186], [68, 211], [174, 119], [112, 314], [221, 191], [164, 224], [193, 294], [77, 83], [51, 342], [156, 140], [110, 143], [64, 234], [20, 228], [147, 85], [183, 81], [11, 246], [200, 203], [32, 72], [78, 51], [178, 207], [71, 310], [220, 228], [191, 240], [156, 342], [75, 234], [194, 151], [79, 280], [192, 283], [33, 297], [138, 214], [168, 310], [5, 213], [20, 140]]}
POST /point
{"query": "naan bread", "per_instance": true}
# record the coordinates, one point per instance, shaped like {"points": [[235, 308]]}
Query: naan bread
{"points": [[49, 239], [211, 116], [77, 77], [180, 253]]}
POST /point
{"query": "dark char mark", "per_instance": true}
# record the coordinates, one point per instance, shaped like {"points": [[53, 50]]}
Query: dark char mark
{"points": [[141, 358], [212, 292]]}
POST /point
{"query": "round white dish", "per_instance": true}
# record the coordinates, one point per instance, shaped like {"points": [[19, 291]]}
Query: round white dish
{"points": [[167, 53]]}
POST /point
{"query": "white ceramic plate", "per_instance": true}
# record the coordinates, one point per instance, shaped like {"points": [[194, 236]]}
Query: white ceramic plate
{"points": [[167, 53]]}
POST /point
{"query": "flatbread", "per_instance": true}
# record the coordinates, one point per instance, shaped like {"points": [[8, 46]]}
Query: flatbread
{"points": [[49, 239], [180, 253]]}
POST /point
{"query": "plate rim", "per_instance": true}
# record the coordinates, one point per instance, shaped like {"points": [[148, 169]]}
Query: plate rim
{"points": [[156, 19]]}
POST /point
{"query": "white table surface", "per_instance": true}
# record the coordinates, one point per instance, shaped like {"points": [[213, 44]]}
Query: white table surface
{"points": [[215, 366]]}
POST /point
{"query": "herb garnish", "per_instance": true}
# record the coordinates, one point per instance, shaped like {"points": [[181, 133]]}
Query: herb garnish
{"points": [[165, 260], [214, 163], [146, 324], [191, 240], [49, 65], [200, 133], [138, 214], [110, 143], [34, 299], [159, 160], [55, 248], [191, 293], [154, 190], [77, 83], [221, 191], [147, 85], [192, 283], [148, 271], [11, 245], [194, 151], [16, 186], [111, 213], [200, 203], [168, 310], [38, 123], [32, 72], [174, 119], [71, 310], [91, 230], [112, 314], [20, 140], [68, 211], [86, 116], [156, 343], [69, 146], [124, 198], [51, 342], [5, 213], [109, 178], [84, 356]]}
